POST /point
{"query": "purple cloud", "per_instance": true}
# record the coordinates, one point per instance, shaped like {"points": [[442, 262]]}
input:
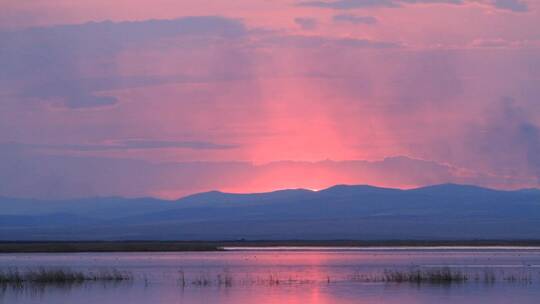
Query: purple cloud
{"points": [[348, 18], [358, 4], [44, 62], [306, 23], [511, 5]]}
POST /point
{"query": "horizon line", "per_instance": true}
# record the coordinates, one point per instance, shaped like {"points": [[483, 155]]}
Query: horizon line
{"points": [[273, 191]]}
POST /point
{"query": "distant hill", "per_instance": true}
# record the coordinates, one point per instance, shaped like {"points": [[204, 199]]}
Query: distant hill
{"points": [[443, 212]]}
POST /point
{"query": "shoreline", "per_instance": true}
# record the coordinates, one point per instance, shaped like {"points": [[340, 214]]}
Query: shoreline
{"points": [[194, 246]]}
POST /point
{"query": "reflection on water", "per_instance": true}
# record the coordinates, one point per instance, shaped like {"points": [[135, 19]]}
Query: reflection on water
{"points": [[311, 276]]}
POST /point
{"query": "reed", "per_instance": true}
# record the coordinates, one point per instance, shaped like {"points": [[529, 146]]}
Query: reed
{"points": [[432, 276], [437, 276], [59, 276]]}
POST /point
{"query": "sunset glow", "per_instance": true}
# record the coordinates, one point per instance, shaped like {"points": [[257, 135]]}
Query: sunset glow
{"points": [[168, 98]]}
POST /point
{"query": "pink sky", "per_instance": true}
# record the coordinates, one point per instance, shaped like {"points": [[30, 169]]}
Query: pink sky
{"points": [[167, 98]]}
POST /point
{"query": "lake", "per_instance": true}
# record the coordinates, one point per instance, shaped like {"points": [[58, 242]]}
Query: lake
{"points": [[285, 275]]}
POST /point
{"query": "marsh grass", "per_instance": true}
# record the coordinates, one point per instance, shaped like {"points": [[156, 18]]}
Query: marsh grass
{"points": [[443, 276], [440, 276], [435, 276], [59, 276], [523, 277], [431, 276], [224, 279], [202, 280]]}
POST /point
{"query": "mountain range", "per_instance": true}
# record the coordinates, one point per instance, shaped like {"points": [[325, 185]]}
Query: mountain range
{"points": [[342, 212]]}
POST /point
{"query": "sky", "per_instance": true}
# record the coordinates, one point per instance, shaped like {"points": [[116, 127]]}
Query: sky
{"points": [[166, 98]]}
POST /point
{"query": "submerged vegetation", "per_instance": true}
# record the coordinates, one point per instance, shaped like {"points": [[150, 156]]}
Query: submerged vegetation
{"points": [[227, 280], [444, 275], [432, 276], [435, 276], [59, 276]]}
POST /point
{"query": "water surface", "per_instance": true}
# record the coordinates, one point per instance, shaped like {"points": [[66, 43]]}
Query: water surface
{"points": [[283, 275]]}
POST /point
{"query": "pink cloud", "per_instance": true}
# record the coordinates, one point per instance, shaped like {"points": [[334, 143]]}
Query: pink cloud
{"points": [[244, 99]]}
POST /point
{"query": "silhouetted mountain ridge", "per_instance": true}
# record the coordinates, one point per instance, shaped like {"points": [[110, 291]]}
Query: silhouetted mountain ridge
{"points": [[447, 211]]}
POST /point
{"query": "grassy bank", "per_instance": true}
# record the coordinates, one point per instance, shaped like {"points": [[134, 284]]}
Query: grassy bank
{"points": [[178, 246], [51, 247], [379, 243]]}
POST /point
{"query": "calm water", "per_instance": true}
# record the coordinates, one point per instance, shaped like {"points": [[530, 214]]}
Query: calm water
{"points": [[282, 276]]}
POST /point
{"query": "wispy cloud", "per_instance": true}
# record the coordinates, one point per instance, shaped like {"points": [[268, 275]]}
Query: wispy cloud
{"points": [[348, 18], [45, 62], [511, 5], [130, 144], [52, 176], [306, 23], [358, 4], [303, 41]]}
